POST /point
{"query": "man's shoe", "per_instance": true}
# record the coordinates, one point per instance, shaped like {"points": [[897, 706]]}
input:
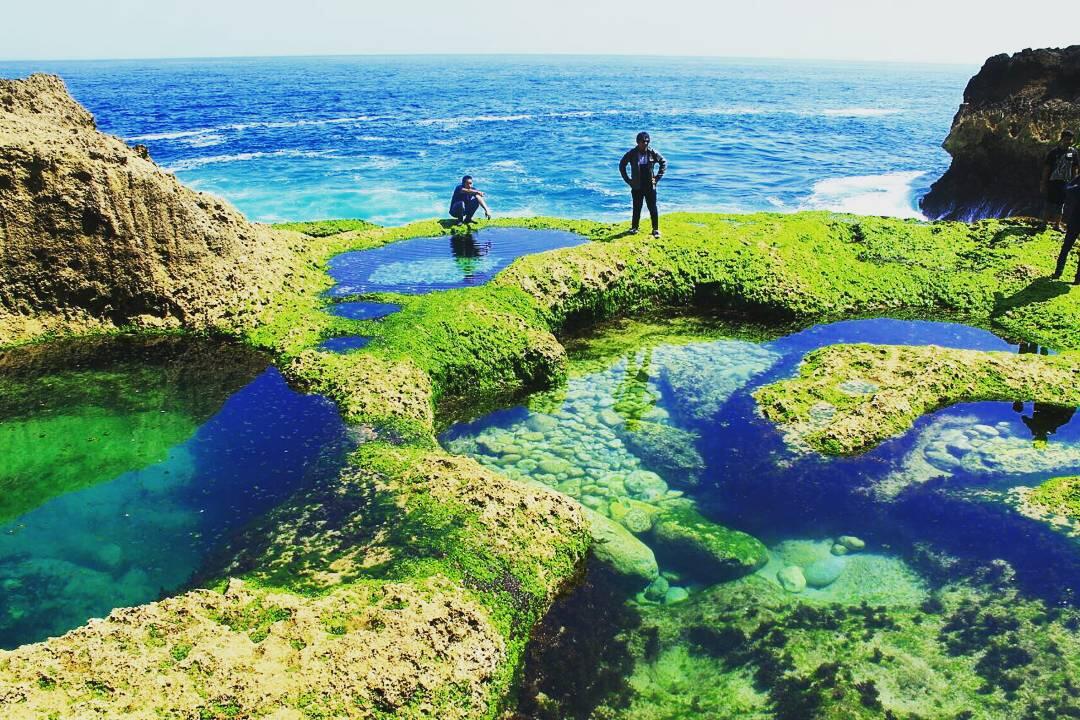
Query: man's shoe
{"points": [[656, 233], [633, 231]]}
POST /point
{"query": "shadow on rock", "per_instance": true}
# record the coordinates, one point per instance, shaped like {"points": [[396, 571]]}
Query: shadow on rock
{"points": [[580, 655]]}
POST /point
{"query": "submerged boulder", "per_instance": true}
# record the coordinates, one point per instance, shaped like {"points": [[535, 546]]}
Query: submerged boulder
{"points": [[666, 450], [93, 233], [686, 540], [1013, 112], [619, 551]]}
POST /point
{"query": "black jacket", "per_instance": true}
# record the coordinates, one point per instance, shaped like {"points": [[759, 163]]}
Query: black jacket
{"points": [[631, 159]]}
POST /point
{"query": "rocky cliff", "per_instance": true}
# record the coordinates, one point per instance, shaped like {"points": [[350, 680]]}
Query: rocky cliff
{"points": [[1013, 112], [94, 234]]}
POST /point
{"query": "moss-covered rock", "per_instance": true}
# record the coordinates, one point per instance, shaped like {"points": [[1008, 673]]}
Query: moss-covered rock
{"points": [[848, 398], [705, 550], [1058, 496], [627, 557]]}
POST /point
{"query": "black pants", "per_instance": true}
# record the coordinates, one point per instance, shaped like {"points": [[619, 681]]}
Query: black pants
{"points": [[1071, 233], [649, 197]]}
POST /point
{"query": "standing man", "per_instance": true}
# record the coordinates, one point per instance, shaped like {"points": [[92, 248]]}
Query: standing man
{"points": [[1061, 167], [641, 180], [1072, 194], [466, 200]]}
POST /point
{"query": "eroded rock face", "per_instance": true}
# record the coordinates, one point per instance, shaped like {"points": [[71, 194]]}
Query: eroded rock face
{"points": [[93, 233], [1013, 112], [362, 652]]}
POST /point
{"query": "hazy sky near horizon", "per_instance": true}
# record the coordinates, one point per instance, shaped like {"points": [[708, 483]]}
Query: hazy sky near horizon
{"points": [[914, 30]]}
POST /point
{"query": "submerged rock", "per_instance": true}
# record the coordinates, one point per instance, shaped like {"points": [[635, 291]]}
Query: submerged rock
{"points": [[688, 541], [666, 450], [851, 542], [792, 579], [823, 573], [621, 552]]}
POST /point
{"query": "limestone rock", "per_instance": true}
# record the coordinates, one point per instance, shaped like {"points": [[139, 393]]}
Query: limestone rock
{"points": [[1013, 112], [621, 552], [94, 234], [851, 542], [686, 540], [823, 572], [792, 578]]}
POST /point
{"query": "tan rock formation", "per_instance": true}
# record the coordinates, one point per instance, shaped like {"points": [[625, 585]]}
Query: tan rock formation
{"points": [[1013, 112], [93, 233]]}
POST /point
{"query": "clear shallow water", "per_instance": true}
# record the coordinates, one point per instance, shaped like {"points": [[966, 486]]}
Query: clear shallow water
{"points": [[930, 506], [423, 265], [152, 456], [363, 310], [387, 138]]}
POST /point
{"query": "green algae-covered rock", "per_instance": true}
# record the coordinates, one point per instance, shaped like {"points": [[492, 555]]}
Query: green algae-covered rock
{"points": [[620, 551], [1059, 496], [666, 450], [704, 549]]}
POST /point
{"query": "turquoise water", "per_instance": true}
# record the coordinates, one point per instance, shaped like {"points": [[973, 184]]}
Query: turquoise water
{"points": [[153, 455], [663, 427], [387, 138]]}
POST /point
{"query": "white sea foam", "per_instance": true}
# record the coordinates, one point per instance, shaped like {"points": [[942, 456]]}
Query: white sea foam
{"points": [[891, 194], [458, 121], [192, 163], [240, 127], [860, 112], [172, 135], [201, 141], [508, 166]]}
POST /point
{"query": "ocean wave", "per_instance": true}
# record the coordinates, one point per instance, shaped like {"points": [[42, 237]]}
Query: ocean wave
{"points": [[172, 135], [240, 127], [202, 141], [891, 195], [458, 121], [860, 112], [508, 165], [192, 163]]}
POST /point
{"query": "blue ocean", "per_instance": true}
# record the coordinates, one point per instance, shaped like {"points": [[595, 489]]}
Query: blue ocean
{"points": [[386, 138]]}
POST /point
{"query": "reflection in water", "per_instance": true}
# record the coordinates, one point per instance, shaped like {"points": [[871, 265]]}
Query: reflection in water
{"points": [[1045, 419], [423, 265], [467, 252]]}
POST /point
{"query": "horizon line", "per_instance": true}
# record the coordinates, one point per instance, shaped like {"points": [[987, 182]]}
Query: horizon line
{"points": [[953, 63]]}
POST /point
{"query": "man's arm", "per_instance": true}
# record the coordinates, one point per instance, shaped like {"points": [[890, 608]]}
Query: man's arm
{"points": [[663, 166], [487, 211], [622, 168]]}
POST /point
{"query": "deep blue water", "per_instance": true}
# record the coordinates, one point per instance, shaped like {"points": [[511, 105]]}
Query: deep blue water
{"points": [[387, 138], [898, 496], [128, 540]]}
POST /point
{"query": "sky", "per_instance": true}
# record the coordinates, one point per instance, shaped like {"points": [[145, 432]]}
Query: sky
{"points": [[942, 31]]}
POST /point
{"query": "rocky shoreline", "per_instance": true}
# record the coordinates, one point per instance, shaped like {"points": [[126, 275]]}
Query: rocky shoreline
{"points": [[440, 567], [1013, 112]]}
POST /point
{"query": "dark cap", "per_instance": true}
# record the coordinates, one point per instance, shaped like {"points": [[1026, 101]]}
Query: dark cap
{"points": [[643, 136]]}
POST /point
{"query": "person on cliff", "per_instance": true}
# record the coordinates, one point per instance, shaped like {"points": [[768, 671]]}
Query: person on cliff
{"points": [[1072, 195], [641, 180], [1061, 167], [466, 200]]}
